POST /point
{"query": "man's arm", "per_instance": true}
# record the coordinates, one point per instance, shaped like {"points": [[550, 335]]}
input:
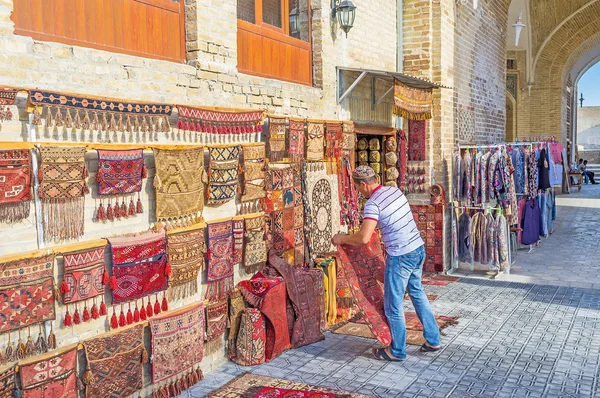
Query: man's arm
{"points": [[361, 237]]}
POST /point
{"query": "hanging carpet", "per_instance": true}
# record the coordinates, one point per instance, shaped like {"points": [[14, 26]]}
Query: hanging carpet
{"points": [[315, 146], [217, 315], [7, 97], [186, 257], [296, 138], [412, 103], [55, 377], [277, 135], [115, 363], [223, 174], [179, 184], [15, 184], [7, 383], [417, 133], [120, 173], [63, 188], [255, 250], [430, 222], [251, 338], [220, 264], [254, 177], [334, 140], [219, 123]]}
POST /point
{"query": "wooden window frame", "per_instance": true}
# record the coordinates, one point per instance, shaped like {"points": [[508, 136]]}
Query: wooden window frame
{"points": [[275, 33], [167, 5]]}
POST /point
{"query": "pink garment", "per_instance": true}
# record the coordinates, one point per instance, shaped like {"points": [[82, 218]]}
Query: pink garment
{"points": [[556, 148]]}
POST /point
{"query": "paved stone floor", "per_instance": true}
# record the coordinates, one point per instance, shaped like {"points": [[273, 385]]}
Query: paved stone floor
{"points": [[513, 340], [570, 256]]}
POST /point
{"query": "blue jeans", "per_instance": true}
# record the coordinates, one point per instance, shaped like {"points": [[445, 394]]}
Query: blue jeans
{"points": [[402, 273]]}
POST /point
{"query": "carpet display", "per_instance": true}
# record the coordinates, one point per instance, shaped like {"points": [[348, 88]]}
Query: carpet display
{"points": [[254, 177], [139, 270], [443, 321], [322, 192], [334, 140], [350, 216], [302, 292], [255, 251], [417, 133], [15, 184], [120, 173], [319, 282], [55, 377], [186, 257], [251, 338], [219, 123], [296, 139], [329, 283], [413, 337], [177, 345], [98, 114], [223, 174], [343, 293], [402, 160], [216, 324], [349, 141], [269, 296], [7, 97], [364, 267], [115, 363], [27, 288], [237, 304], [315, 145], [249, 385], [430, 222], [238, 241], [220, 265], [277, 129], [179, 184], [7, 383], [438, 279], [62, 178], [85, 276], [412, 103]]}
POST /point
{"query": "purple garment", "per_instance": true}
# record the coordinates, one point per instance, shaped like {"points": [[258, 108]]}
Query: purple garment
{"points": [[544, 170], [531, 222]]}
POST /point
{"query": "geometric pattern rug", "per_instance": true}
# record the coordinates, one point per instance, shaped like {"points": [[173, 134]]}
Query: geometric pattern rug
{"points": [[250, 385]]}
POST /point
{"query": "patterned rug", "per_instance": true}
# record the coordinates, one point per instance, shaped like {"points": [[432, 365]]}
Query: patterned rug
{"points": [[413, 337], [220, 266], [62, 190], [139, 271], [255, 250], [302, 292], [249, 385], [269, 296], [179, 185], [216, 324], [251, 339], [7, 97], [237, 304], [364, 266], [223, 174], [52, 377], [7, 383], [177, 346], [115, 363], [277, 129], [296, 138], [27, 289], [186, 256], [217, 122], [402, 159], [254, 175], [443, 321], [120, 173], [322, 193], [334, 140], [430, 222], [15, 185], [315, 146], [84, 279], [438, 279], [417, 133]]}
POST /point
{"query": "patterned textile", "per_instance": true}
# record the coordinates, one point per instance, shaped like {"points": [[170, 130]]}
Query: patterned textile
{"points": [[296, 140], [219, 122], [277, 127], [7, 97], [115, 363], [322, 192], [223, 174], [251, 338], [438, 279], [255, 251], [343, 293], [350, 215], [334, 140], [238, 241], [443, 321], [179, 184], [315, 143], [412, 103], [248, 385], [237, 304], [302, 292], [55, 377], [364, 267], [254, 174], [220, 264], [177, 342], [402, 160], [27, 292], [186, 256], [216, 319], [7, 383], [139, 270], [417, 132], [120, 172], [430, 222], [99, 114], [15, 184], [270, 392], [269, 296], [62, 189], [349, 141], [330, 282]]}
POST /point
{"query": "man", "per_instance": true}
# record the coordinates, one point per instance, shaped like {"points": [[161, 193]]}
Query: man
{"points": [[388, 209], [584, 171]]}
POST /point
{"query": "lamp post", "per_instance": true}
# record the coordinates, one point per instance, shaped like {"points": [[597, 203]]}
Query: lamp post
{"points": [[581, 99], [519, 25], [345, 12]]}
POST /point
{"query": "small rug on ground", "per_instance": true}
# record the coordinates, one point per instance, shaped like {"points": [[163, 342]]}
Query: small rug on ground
{"points": [[250, 385], [438, 279]]}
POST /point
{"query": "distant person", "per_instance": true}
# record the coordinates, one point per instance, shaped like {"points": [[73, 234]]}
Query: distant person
{"points": [[584, 171]]}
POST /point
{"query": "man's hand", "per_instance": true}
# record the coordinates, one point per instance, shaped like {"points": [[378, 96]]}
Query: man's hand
{"points": [[337, 239]]}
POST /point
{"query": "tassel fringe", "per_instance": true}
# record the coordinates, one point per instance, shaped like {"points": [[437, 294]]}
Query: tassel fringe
{"points": [[63, 218], [14, 212]]}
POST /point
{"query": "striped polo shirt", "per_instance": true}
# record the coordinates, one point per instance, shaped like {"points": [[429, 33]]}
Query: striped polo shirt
{"points": [[389, 207]]}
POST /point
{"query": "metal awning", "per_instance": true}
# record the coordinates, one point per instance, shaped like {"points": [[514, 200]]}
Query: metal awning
{"points": [[410, 81]]}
